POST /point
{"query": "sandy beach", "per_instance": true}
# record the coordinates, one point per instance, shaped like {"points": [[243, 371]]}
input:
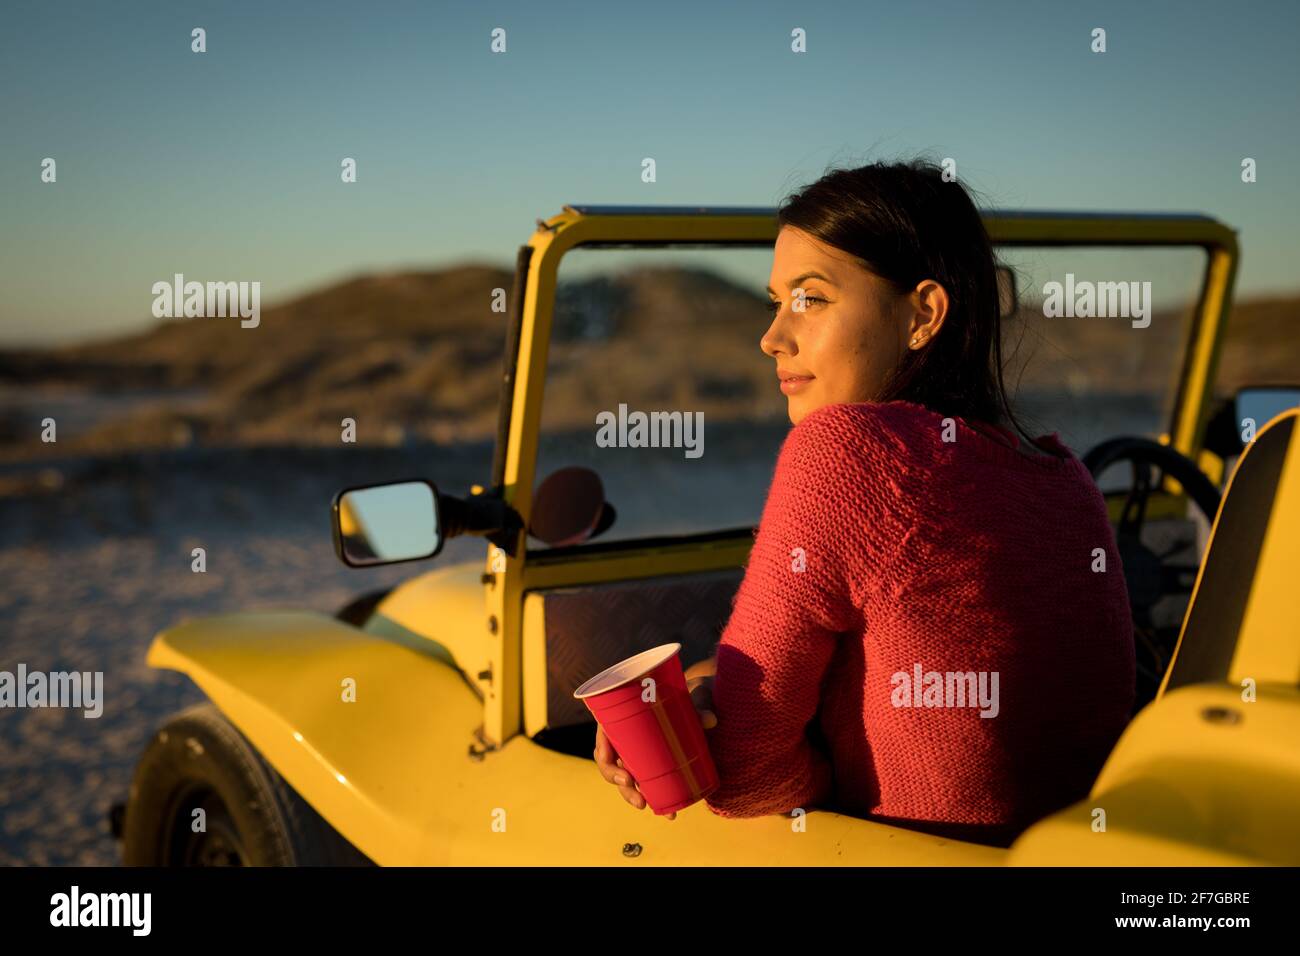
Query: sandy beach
{"points": [[93, 569]]}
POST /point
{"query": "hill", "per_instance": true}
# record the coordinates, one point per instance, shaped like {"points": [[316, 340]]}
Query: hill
{"points": [[418, 355]]}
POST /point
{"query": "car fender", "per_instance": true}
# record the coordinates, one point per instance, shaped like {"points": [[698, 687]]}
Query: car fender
{"points": [[447, 608], [365, 726], [398, 773]]}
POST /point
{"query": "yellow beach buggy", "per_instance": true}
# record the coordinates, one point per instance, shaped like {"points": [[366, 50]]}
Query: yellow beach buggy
{"points": [[434, 723]]}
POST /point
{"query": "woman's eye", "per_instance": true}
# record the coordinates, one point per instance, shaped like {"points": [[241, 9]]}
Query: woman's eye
{"points": [[775, 306]]}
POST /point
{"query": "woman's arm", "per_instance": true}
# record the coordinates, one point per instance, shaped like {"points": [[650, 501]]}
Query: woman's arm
{"points": [[793, 604]]}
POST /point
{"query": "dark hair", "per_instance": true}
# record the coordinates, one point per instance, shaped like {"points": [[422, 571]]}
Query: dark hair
{"points": [[906, 224]]}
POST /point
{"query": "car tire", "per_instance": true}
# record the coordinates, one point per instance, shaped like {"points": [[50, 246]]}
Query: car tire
{"points": [[198, 760]]}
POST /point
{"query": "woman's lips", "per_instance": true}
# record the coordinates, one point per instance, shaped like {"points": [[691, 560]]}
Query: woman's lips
{"points": [[793, 384]]}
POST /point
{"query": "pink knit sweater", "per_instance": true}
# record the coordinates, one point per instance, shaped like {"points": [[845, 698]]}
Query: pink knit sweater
{"points": [[887, 553]]}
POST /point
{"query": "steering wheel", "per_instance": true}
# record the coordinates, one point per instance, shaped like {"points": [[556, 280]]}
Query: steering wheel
{"points": [[1151, 576]]}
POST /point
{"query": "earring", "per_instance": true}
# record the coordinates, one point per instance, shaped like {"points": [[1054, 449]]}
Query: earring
{"points": [[916, 340]]}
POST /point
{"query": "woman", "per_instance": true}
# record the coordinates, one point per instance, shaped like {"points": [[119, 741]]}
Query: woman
{"points": [[920, 636]]}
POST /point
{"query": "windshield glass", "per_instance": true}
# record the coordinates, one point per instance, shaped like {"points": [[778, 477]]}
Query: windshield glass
{"points": [[675, 331], [1111, 372]]}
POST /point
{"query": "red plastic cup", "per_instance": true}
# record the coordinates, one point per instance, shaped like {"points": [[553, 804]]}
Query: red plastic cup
{"points": [[646, 712]]}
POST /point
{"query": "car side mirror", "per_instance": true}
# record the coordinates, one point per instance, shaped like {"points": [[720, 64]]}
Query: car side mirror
{"points": [[1235, 421], [410, 520], [1257, 405], [387, 524]]}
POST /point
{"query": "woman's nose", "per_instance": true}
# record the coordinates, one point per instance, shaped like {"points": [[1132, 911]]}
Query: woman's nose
{"points": [[776, 339]]}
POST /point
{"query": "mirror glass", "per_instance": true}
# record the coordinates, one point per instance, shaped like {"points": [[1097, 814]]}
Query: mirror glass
{"points": [[1260, 405], [383, 524]]}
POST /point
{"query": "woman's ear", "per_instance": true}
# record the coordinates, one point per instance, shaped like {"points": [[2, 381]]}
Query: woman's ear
{"points": [[929, 303]]}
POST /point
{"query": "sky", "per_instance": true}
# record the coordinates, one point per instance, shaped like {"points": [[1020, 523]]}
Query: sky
{"points": [[225, 165]]}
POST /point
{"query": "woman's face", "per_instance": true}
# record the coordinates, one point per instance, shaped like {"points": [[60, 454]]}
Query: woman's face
{"points": [[852, 330]]}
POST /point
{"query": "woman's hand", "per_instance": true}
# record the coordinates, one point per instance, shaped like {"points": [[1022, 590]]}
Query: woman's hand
{"points": [[699, 682], [701, 691], [611, 768]]}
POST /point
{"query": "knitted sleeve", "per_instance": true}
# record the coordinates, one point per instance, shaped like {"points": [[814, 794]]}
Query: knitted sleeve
{"points": [[828, 520]]}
